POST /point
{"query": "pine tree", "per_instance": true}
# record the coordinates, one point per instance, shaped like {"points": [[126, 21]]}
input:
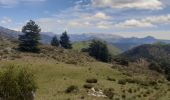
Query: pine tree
{"points": [[55, 41], [99, 50], [30, 39], [64, 41]]}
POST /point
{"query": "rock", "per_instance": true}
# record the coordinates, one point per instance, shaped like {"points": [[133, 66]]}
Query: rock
{"points": [[95, 93]]}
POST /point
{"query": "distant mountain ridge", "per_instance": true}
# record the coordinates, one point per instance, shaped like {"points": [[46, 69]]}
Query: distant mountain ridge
{"points": [[120, 42]]}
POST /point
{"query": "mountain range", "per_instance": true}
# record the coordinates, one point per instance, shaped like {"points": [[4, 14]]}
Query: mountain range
{"points": [[116, 40]]}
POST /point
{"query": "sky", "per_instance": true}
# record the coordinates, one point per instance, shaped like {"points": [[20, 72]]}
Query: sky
{"points": [[128, 18]]}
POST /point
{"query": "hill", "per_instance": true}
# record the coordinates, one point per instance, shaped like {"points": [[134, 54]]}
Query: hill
{"points": [[85, 44], [149, 52], [157, 55], [53, 66], [57, 70]]}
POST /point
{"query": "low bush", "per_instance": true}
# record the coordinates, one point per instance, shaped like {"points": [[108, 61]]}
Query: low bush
{"points": [[111, 79], [122, 82], [88, 86], [123, 96], [91, 80], [109, 93], [168, 77], [130, 90], [155, 66], [121, 61], [17, 84], [72, 89]]}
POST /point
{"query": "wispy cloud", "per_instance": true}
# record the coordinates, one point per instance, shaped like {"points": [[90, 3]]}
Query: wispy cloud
{"points": [[76, 20], [107, 16], [138, 4], [151, 21], [12, 3], [5, 21]]}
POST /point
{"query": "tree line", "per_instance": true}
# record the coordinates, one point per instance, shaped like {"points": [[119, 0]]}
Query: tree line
{"points": [[29, 42]]}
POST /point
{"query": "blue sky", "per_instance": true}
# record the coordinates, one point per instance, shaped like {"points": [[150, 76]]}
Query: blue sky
{"points": [[127, 18]]}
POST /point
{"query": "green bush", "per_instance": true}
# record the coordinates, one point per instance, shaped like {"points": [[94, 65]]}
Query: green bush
{"points": [[99, 50], [155, 66], [110, 79], [109, 93], [130, 90], [91, 80], [168, 77], [17, 84], [71, 89], [88, 86], [122, 82], [121, 61]]}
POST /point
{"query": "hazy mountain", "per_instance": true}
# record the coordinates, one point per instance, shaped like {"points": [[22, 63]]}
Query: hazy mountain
{"points": [[7, 33], [11, 34], [128, 43], [118, 41], [149, 52], [89, 36]]}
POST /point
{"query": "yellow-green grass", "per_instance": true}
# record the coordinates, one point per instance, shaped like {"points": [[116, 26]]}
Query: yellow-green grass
{"points": [[54, 77]]}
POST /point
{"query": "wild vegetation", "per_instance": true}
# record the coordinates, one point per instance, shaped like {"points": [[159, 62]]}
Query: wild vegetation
{"points": [[82, 45], [60, 73], [157, 55]]}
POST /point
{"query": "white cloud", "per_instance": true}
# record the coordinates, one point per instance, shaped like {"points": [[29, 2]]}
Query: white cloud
{"points": [[165, 19], [12, 3], [5, 21], [145, 22], [76, 20], [101, 15], [133, 23], [138, 4]]}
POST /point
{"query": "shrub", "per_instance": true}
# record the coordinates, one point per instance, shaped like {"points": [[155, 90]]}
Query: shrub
{"points": [[111, 79], [71, 89], [109, 93], [84, 50], [99, 50], [17, 84], [88, 86], [117, 99], [155, 66], [144, 95], [122, 61], [139, 95], [130, 90], [129, 80], [91, 80], [123, 96], [71, 61], [153, 83], [82, 97], [123, 82], [168, 77], [148, 92]]}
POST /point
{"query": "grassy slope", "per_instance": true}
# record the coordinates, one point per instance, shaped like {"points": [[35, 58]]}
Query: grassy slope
{"points": [[79, 45], [53, 77], [56, 69]]}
